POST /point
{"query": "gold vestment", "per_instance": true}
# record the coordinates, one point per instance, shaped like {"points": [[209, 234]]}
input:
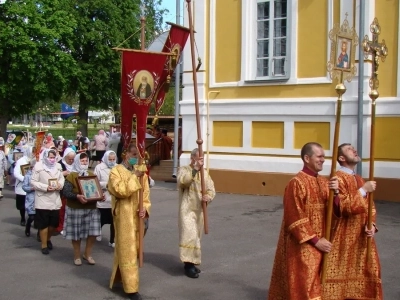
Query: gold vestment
{"points": [[124, 188], [191, 220]]}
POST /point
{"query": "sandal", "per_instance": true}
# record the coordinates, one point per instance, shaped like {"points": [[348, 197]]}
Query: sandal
{"points": [[89, 259], [77, 262]]}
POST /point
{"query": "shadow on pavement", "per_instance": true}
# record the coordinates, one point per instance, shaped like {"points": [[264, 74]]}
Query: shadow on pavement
{"points": [[165, 262]]}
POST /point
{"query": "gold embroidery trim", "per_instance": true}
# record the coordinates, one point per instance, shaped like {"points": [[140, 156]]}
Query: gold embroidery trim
{"points": [[189, 247], [297, 223]]}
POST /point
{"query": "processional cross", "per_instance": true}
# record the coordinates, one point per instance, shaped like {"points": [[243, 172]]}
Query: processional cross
{"points": [[377, 51]]}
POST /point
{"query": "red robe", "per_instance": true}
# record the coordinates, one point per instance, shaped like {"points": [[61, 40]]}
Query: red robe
{"points": [[349, 276], [296, 271]]}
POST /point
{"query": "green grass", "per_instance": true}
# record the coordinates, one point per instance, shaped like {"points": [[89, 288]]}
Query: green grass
{"points": [[57, 129]]}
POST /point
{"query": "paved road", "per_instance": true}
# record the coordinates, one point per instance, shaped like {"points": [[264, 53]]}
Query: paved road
{"points": [[238, 254]]}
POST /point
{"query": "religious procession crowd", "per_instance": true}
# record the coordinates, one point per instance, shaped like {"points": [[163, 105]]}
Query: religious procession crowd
{"points": [[48, 191], [54, 190]]}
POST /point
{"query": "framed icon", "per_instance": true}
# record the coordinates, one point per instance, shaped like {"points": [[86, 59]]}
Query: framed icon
{"points": [[89, 187], [53, 183], [24, 169], [344, 40], [17, 155]]}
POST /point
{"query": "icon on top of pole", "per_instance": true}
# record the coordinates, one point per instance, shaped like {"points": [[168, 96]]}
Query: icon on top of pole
{"points": [[341, 66]]}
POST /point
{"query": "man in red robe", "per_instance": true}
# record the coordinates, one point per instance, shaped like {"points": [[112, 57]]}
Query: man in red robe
{"points": [[296, 271], [350, 275]]}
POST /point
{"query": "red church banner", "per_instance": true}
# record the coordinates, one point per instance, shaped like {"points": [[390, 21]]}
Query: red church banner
{"points": [[140, 79], [174, 44]]}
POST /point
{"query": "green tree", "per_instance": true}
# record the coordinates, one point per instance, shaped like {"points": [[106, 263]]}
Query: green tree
{"points": [[35, 60], [102, 25]]}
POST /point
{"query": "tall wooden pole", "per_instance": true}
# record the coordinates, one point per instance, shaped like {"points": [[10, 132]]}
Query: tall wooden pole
{"points": [[378, 51], [141, 159], [341, 69], [199, 140], [340, 90]]}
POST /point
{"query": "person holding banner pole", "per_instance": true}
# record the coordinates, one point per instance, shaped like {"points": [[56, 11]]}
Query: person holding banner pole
{"points": [[124, 187], [347, 278], [191, 217], [301, 244]]}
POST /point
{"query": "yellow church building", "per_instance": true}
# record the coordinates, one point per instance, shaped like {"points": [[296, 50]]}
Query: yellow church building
{"points": [[264, 91]]}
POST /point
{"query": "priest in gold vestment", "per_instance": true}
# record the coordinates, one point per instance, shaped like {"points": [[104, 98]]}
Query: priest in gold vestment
{"points": [[349, 275], [296, 271], [191, 222], [124, 186]]}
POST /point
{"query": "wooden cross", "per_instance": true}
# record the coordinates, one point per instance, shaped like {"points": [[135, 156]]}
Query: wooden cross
{"points": [[378, 51]]}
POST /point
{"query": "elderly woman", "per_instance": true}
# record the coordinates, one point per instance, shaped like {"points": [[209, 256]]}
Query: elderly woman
{"points": [[47, 180], [102, 172], [82, 217], [3, 166], [66, 163], [29, 198], [19, 178]]}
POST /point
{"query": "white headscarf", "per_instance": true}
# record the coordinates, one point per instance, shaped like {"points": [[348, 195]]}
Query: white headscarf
{"points": [[105, 158], [67, 166], [77, 168], [52, 168]]}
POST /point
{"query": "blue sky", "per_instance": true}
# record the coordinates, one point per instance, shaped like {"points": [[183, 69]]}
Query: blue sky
{"points": [[171, 6]]}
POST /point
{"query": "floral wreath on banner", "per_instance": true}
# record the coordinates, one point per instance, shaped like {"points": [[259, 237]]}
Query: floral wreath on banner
{"points": [[131, 87]]}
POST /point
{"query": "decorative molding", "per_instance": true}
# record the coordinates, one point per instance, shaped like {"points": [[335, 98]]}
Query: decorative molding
{"points": [[289, 107], [287, 165]]}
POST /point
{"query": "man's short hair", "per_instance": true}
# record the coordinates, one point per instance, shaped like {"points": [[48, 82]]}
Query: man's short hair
{"points": [[307, 149], [340, 151], [194, 152], [131, 146]]}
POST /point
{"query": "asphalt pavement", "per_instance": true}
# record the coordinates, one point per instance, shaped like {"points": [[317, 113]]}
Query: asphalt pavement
{"points": [[237, 254]]}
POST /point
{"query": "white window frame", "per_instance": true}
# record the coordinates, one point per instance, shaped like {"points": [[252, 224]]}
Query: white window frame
{"points": [[249, 43]]}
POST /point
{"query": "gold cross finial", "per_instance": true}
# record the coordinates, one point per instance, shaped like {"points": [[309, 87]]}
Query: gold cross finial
{"points": [[378, 51]]}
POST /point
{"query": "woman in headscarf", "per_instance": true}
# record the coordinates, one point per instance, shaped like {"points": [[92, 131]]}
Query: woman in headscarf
{"points": [[67, 164], [19, 178], [82, 217], [47, 180], [3, 166], [102, 172]]}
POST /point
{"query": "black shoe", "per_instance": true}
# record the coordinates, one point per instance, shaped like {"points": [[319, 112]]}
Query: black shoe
{"points": [[45, 251], [197, 269], [27, 232], [134, 296], [23, 223], [191, 273], [49, 245]]}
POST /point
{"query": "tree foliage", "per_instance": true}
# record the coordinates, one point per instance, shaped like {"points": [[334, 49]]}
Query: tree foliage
{"points": [[55, 48], [35, 63], [102, 25]]}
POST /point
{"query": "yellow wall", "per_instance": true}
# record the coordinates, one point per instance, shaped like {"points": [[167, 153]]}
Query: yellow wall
{"points": [[227, 134], [387, 138], [267, 135], [387, 13], [305, 132], [228, 40], [312, 41]]}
